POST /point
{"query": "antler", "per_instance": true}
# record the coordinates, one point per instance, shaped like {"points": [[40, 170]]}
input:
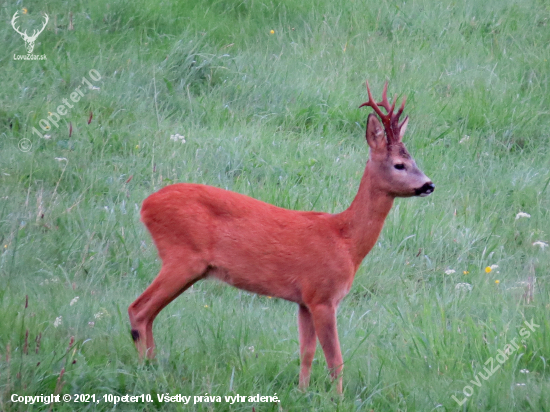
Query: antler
{"points": [[389, 120], [15, 16], [35, 32]]}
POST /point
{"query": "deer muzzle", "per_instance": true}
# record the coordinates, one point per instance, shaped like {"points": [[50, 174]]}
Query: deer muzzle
{"points": [[425, 190]]}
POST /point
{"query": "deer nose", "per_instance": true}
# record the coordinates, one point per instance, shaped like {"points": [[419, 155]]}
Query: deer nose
{"points": [[425, 190]]}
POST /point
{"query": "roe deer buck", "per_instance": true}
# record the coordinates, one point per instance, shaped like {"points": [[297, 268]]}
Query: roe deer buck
{"points": [[305, 257]]}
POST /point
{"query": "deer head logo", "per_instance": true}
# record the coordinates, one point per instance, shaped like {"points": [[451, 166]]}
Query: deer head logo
{"points": [[29, 40]]}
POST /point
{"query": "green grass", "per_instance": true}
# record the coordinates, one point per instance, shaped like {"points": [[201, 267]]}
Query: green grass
{"points": [[276, 117]]}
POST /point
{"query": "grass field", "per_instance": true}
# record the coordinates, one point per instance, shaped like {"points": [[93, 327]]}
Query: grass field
{"points": [[274, 115]]}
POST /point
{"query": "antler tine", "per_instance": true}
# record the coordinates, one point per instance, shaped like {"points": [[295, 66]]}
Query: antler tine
{"points": [[403, 122], [385, 103], [372, 103], [393, 104], [395, 118], [401, 108]]}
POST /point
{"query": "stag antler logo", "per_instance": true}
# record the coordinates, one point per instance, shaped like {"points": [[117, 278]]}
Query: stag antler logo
{"points": [[29, 40]]}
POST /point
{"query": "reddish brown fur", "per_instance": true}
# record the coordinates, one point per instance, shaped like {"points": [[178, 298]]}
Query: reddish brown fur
{"points": [[305, 257]]}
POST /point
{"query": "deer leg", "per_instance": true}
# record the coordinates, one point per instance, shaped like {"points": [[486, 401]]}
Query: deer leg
{"points": [[324, 319], [308, 342], [169, 284]]}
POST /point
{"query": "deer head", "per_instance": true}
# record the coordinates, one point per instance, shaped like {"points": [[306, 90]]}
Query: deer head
{"points": [[395, 170], [29, 40]]}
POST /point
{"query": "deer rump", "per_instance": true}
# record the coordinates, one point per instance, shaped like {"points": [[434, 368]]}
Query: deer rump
{"points": [[247, 243]]}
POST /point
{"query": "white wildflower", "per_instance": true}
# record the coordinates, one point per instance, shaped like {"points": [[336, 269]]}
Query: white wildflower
{"points": [[251, 349], [541, 244], [522, 214], [176, 137], [57, 321], [463, 286], [103, 312], [47, 136], [74, 300], [524, 371], [450, 271], [91, 324]]}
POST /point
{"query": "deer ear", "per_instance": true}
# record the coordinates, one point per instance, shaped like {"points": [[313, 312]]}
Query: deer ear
{"points": [[376, 138]]}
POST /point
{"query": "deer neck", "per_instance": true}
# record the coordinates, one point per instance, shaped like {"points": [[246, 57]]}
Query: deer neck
{"points": [[362, 222]]}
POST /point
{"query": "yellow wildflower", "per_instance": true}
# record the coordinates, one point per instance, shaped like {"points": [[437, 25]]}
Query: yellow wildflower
{"points": [[497, 281], [272, 31], [488, 269], [465, 272], [25, 10]]}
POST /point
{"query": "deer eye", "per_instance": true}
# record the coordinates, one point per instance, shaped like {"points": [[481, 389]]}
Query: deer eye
{"points": [[399, 166]]}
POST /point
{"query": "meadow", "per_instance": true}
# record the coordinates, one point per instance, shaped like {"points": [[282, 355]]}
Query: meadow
{"points": [[262, 98]]}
